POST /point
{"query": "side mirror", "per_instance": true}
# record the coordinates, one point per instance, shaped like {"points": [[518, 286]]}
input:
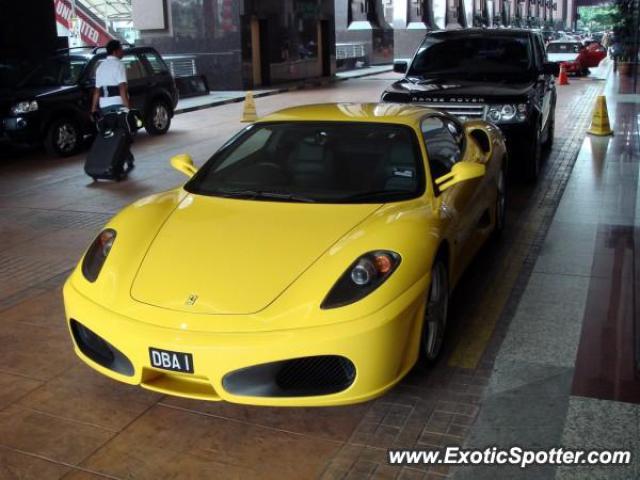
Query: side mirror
{"points": [[183, 163], [551, 68], [461, 172], [400, 66]]}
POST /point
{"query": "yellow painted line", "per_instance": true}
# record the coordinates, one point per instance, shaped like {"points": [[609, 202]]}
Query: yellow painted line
{"points": [[478, 329]]}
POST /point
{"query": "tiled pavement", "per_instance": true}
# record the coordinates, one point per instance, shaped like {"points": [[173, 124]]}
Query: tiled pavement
{"points": [[58, 419], [564, 375]]}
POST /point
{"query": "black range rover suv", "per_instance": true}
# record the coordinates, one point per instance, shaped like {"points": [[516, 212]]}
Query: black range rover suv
{"points": [[501, 76], [52, 104]]}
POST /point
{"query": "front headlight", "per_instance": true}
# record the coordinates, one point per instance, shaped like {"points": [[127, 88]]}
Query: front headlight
{"points": [[97, 254], [24, 107], [508, 113], [363, 276]]}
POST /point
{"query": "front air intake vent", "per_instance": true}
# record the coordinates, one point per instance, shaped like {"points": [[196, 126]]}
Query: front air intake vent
{"points": [[298, 377]]}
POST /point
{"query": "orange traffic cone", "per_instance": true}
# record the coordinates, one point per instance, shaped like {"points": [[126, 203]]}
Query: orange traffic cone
{"points": [[562, 78], [249, 109], [600, 120]]}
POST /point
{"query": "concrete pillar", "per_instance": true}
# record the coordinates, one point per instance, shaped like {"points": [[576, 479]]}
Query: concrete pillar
{"points": [[412, 19], [363, 22]]}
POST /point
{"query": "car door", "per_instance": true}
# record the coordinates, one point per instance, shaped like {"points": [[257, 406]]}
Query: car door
{"points": [[160, 81], [138, 81], [444, 142], [546, 83]]}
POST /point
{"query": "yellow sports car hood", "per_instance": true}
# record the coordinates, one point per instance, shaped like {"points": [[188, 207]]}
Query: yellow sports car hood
{"points": [[228, 256]]}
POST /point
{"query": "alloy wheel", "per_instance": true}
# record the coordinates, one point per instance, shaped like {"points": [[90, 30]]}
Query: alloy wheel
{"points": [[160, 117], [435, 320], [66, 137]]}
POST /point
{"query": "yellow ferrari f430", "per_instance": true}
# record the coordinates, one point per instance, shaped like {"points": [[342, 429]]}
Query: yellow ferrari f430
{"points": [[308, 262]]}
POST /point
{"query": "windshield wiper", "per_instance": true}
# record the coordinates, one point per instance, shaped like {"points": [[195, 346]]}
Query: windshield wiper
{"points": [[255, 194]]}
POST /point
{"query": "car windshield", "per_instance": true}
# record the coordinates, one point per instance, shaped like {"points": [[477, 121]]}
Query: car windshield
{"points": [[58, 70], [472, 56], [563, 48], [326, 162]]}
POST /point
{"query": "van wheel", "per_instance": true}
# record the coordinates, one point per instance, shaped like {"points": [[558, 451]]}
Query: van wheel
{"points": [[63, 138], [158, 118]]}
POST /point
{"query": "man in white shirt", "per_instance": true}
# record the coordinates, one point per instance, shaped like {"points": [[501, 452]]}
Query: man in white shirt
{"points": [[111, 91]]}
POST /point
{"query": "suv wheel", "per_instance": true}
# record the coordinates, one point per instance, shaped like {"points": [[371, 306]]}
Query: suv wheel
{"points": [[158, 118], [551, 127], [63, 137], [501, 203], [532, 157]]}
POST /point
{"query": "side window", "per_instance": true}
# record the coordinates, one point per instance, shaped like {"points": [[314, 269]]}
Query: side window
{"points": [[134, 67], [155, 61], [443, 140], [91, 71], [543, 49]]}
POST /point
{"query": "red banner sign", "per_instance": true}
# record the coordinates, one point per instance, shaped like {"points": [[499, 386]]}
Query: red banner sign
{"points": [[90, 31]]}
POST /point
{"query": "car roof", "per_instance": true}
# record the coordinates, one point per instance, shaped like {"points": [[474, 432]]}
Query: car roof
{"points": [[565, 41], [396, 113], [91, 51], [466, 32]]}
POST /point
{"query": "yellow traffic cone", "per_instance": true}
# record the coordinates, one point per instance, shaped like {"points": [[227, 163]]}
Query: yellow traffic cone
{"points": [[249, 109], [600, 120]]}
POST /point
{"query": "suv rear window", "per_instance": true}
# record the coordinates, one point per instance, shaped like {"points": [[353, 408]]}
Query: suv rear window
{"points": [[472, 55], [563, 48], [156, 62]]}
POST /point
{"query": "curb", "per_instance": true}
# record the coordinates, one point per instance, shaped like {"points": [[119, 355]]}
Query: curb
{"points": [[321, 82]]}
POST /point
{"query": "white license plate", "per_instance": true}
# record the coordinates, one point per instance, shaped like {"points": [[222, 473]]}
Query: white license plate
{"points": [[168, 360]]}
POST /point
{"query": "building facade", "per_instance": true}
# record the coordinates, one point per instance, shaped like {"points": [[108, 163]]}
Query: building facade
{"points": [[242, 44]]}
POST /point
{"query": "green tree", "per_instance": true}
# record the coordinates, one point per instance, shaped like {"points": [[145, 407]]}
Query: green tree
{"points": [[598, 17]]}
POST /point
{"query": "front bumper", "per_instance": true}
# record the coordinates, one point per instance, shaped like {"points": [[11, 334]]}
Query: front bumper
{"points": [[20, 128], [382, 347], [518, 138]]}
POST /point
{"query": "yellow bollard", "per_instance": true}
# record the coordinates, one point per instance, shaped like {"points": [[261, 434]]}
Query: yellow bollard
{"points": [[600, 119], [249, 109]]}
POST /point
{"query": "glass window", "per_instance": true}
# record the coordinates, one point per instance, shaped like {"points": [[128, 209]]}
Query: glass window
{"points": [[134, 67], [58, 70], [330, 162], [563, 48], [473, 55], [443, 141], [156, 62]]}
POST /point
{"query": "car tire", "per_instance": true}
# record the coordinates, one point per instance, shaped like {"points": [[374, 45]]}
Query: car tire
{"points": [[436, 313], [500, 215], [158, 118], [63, 137], [532, 158], [551, 131]]}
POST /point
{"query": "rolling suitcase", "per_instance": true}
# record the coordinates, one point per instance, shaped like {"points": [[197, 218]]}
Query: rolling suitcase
{"points": [[110, 151], [108, 155]]}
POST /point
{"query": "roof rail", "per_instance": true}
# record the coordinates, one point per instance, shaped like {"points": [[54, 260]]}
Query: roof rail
{"points": [[61, 50], [124, 44]]}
